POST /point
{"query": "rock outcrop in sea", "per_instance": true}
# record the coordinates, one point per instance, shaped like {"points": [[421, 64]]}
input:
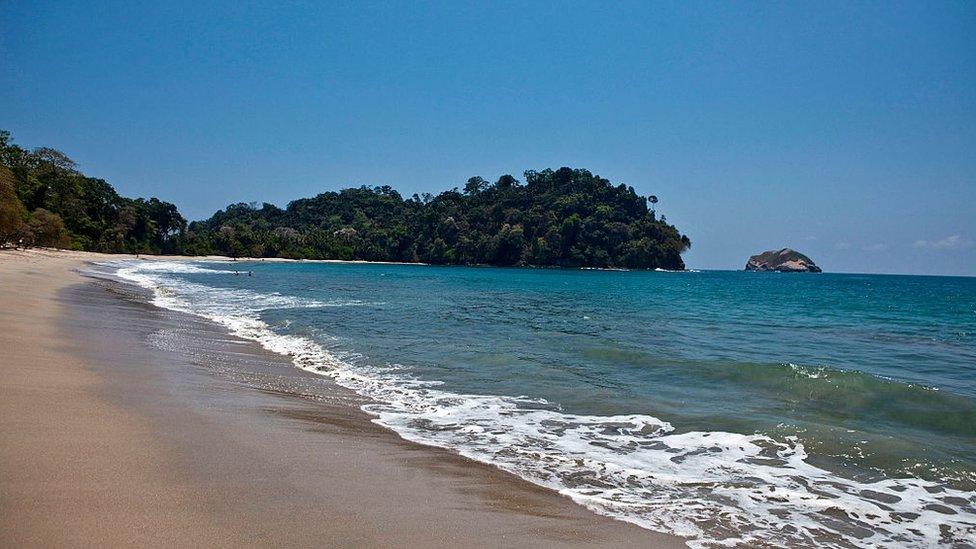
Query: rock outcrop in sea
{"points": [[785, 260]]}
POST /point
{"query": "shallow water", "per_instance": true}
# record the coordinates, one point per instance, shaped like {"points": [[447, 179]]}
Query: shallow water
{"points": [[730, 407]]}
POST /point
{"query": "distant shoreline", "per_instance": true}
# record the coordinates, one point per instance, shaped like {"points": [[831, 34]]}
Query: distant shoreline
{"points": [[101, 256]]}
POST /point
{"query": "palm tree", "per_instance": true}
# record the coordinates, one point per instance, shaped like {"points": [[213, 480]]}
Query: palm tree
{"points": [[653, 200]]}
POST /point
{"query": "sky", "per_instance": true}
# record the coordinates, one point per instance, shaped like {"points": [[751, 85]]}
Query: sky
{"points": [[844, 130]]}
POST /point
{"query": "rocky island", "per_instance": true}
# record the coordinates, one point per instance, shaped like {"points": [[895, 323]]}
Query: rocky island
{"points": [[785, 260]]}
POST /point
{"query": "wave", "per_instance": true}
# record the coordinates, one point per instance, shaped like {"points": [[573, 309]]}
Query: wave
{"points": [[856, 395], [166, 267], [216, 301], [715, 488]]}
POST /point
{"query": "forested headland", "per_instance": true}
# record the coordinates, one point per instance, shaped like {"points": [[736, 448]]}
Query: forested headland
{"points": [[565, 217], [46, 201]]}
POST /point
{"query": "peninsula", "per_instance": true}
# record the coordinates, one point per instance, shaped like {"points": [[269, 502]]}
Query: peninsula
{"points": [[563, 218]]}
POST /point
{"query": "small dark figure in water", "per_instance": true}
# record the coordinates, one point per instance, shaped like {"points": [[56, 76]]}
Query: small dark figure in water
{"points": [[236, 273], [249, 273]]}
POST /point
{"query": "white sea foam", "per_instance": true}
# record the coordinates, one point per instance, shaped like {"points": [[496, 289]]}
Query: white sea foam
{"points": [[715, 488], [208, 300], [815, 373]]}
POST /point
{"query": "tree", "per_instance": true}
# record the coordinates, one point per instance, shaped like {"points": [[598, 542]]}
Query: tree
{"points": [[55, 158], [13, 214], [47, 229], [475, 185]]}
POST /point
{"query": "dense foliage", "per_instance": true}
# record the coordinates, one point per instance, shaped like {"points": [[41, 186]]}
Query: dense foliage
{"points": [[564, 217], [45, 201]]}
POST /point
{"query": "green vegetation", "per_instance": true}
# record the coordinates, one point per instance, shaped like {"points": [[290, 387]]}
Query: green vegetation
{"points": [[565, 217], [45, 201]]}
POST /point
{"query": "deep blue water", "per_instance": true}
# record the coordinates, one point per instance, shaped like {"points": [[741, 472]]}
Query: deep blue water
{"points": [[721, 387]]}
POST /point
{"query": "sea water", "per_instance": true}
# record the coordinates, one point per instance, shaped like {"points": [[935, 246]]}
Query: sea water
{"points": [[732, 408]]}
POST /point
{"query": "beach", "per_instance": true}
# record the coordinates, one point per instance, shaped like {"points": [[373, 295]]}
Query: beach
{"points": [[123, 424]]}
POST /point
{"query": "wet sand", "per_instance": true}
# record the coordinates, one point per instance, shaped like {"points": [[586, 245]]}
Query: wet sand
{"points": [[123, 424]]}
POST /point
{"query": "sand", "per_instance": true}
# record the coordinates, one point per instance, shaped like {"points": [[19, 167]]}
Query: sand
{"points": [[122, 424]]}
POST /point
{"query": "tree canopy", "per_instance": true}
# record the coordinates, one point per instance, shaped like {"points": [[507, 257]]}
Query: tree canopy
{"points": [[565, 217], [58, 206]]}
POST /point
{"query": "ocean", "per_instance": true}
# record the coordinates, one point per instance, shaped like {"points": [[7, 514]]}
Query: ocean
{"points": [[732, 408]]}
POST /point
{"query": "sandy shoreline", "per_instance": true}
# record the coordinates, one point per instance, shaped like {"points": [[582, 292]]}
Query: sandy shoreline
{"points": [[122, 424]]}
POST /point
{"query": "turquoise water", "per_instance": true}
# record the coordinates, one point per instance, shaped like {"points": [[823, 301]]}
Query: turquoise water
{"points": [[740, 407]]}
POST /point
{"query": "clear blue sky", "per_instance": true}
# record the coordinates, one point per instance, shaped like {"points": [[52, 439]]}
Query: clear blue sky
{"points": [[845, 130]]}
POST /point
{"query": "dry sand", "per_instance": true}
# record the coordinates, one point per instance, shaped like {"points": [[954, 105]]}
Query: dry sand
{"points": [[123, 425]]}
